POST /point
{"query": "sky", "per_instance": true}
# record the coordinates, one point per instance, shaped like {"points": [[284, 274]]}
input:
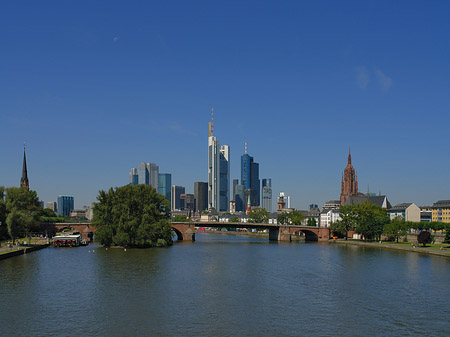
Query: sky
{"points": [[95, 87]]}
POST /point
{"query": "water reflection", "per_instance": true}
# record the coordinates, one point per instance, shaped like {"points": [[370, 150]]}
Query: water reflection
{"points": [[224, 285]]}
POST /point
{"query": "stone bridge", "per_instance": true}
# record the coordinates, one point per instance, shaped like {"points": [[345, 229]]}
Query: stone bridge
{"points": [[186, 230]]}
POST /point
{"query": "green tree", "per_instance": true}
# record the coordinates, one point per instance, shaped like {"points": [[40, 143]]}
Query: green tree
{"points": [[349, 220], [180, 218], [395, 228], [3, 214], [293, 217], [132, 216], [22, 211], [311, 222], [447, 234], [424, 237], [258, 215], [234, 219]]}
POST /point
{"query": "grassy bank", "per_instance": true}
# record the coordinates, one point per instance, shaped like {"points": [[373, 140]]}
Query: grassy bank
{"points": [[431, 249]]}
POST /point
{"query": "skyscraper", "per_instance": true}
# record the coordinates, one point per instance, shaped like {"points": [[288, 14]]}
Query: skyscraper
{"points": [[134, 176], [65, 204], [201, 196], [218, 171], [164, 185], [267, 194], [250, 178], [177, 191], [147, 174]]}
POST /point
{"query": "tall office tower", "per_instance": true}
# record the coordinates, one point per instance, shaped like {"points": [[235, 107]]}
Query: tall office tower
{"points": [[187, 202], [143, 176], [224, 191], [148, 174], [164, 185], [235, 183], [153, 173], [250, 178], [267, 194], [52, 205], [24, 180], [201, 196], [218, 171], [239, 197], [177, 191], [65, 204], [134, 176]]}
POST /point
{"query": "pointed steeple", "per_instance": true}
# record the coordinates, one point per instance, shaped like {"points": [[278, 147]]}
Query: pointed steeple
{"points": [[24, 180], [349, 156]]}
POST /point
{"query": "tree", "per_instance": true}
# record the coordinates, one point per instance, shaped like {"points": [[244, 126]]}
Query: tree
{"points": [[349, 220], [311, 222], [3, 214], [180, 218], [395, 228], [258, 215], [293, 217], [447, 234], [234, 219], [22, 211], [424, 237], [371, 220], [132, 216]]}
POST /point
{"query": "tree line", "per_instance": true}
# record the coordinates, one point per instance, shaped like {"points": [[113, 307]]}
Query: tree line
{"points": [[372, 221]]}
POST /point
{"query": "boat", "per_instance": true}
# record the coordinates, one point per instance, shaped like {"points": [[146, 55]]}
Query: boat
{"points": [[67, 240]]}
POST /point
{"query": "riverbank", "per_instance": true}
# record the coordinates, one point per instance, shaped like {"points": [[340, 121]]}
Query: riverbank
{"points": [[12, 252], [260, 235], [395, 246]]}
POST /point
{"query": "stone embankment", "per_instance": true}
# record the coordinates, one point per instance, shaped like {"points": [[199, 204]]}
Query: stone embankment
{"points": [[395, 246], [22, 250]]}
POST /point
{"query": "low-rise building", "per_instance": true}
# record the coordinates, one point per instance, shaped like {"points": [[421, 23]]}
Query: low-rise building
{"points": [[441, 211], [407, 211]]}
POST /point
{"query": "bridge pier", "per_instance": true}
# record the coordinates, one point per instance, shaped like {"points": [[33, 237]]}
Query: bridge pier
{"points": [[184, 231]]}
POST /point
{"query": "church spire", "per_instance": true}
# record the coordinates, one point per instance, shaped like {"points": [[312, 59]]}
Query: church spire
{"points": [[349, 156], [24, 180]]}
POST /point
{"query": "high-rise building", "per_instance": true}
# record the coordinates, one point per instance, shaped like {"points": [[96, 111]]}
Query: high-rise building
{"points": [[187, 202], [65, 204], [349, 181], [267, 194], [239, 198], [201, 196], [164, 185], [134, 176], [24, 179], [176, 193], [218, 171], [52, 205], [250, 178], [147, 174]]}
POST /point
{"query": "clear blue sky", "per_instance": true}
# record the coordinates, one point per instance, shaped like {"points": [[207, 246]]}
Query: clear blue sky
{"points": [[95, 87]]}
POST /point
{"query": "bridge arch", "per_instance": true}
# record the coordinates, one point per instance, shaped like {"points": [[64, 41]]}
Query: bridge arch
{"points": [[177, 233]]}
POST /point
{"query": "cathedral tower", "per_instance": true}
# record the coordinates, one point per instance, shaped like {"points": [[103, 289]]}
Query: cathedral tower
{"points": [[24, 180], [349, 181]]}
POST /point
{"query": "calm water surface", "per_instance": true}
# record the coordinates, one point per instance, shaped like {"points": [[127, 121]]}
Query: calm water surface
{"points": [[225, 285]]}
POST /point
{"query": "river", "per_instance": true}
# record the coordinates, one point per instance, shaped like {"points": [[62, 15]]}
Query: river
{"points": [[224, 285]]}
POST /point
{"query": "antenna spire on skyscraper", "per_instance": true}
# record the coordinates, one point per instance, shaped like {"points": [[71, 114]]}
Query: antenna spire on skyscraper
{"points": [[212, 119], [246, 146]]}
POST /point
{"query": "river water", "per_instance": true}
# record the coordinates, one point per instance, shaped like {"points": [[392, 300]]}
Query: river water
{"points": [[224, 285]]}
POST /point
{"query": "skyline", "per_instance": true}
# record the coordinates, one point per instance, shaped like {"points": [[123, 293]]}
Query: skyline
{"points": [[300, 82]]}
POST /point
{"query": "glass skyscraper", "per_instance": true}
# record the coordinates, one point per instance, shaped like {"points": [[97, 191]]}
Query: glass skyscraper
{"points": [[134, 176], [267, 194], [164, 185], [250, 179], [65, 204]]}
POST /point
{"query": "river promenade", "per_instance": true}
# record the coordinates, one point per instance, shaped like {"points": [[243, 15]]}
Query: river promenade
{"points": [[396, 246], [7, 251]]}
